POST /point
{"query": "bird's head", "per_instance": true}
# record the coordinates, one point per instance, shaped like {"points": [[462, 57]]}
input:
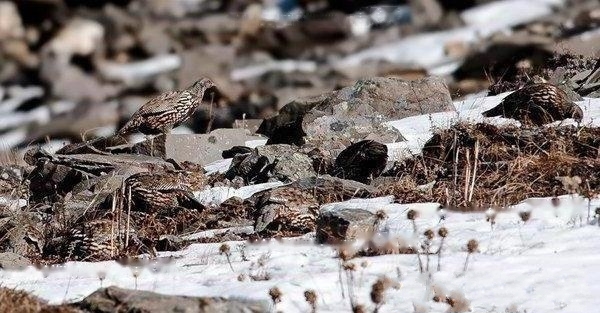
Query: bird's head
{"points": [[577, 113], [201, 85]]}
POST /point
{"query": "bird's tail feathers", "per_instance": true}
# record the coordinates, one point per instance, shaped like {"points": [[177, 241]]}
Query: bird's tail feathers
{"points": [[496, 111]]}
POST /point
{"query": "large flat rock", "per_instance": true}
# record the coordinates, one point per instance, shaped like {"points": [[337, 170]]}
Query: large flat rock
{"points": [[196, 148], [114, 299], [357, 112]]}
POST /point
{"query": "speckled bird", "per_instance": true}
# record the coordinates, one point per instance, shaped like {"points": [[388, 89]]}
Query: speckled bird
{"points": [[169, 110], [98, 240], [156, 192], [284, 209], [537, 104]]}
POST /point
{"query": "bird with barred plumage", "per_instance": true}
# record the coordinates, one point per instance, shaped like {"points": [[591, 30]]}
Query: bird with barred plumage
{"points": [[161, 114], [537, 104], [98, 240], [157, 192], [284, 209]]}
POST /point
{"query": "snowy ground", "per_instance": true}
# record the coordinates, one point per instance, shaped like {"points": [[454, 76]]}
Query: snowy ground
{"points": [[548, 264]]}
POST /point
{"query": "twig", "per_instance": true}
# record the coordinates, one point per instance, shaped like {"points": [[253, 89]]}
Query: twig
{"points": [[474, 170], [420, 262], [455, 168], [341, 280], [67, 290], [439, 255], [128, 216], [210, 113], [466, 262], [467, 174], [112, 224]]}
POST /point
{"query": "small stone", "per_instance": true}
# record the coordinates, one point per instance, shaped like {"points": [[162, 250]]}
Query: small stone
{"points": [[335, 226], [13, 261]]}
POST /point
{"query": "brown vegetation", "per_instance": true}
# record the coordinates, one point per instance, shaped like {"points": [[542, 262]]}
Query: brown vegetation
{"points": [[476, 165]]}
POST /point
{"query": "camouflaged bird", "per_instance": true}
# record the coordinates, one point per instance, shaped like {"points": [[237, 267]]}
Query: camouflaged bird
{"points": [[169, 110], [284, 209], [98, 240], [156, 192], [537, 104], [361, 161]]}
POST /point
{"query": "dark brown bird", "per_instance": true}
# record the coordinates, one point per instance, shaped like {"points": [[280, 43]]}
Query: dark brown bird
{"points": [[169, 110], [537, 104], [155, 192], [361, 161]]}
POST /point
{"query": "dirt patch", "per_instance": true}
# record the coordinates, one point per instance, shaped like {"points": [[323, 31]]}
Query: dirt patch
{"points": [[477, 165]]}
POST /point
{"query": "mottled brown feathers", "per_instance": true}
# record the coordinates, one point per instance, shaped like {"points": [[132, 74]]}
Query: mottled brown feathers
{"points": [[537, 104], [169, 110], [161, 191]]}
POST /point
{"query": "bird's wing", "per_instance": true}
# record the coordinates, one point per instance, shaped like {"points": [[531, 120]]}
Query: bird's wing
{"points": [[164, 102], [169, 185]]}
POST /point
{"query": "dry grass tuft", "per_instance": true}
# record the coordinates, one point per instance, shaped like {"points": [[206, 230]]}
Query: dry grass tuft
{"points": [[19, 301], [275, 295], [311, 297], [12, 300], [474, 166]]}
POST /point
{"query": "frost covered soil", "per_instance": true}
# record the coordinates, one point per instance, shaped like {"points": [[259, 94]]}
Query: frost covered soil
{"points": [[546, 264]]}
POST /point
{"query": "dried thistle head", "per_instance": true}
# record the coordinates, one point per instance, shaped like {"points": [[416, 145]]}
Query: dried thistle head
{"points": [[412, 214], [359, 308], [443, 232], [349, 266], [224, 249], [472, 246], [377, 290], [275, 294], [364, 264], [380, 286], [525, 216], [555, 201], [429, 234], [311, 297], [345, 254], [101, 275], [458, 302]]}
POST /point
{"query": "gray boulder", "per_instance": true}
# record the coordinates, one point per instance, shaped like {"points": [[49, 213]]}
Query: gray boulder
{"points": [[114, 299], [357, 112], [196, 148], [281, 162]]}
